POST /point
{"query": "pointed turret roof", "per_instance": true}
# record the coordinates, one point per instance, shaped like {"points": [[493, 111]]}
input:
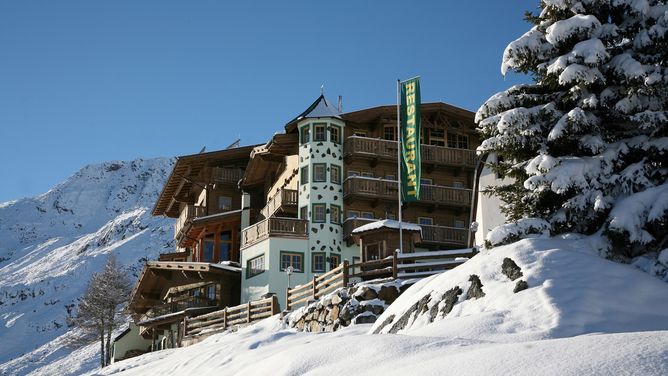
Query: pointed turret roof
{"points": [[321, 108]]}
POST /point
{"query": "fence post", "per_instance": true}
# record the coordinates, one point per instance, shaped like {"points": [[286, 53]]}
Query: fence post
{"points": [[287, 298], [315, 289], [274, 305], [394, 264], [345, 273], [248, 313]]}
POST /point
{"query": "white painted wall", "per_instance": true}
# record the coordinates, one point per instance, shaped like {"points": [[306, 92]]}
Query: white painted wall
{"points": [[488, 212]]}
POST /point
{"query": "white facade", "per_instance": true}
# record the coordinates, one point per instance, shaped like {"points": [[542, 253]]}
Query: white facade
{"points": [[488, 211]]}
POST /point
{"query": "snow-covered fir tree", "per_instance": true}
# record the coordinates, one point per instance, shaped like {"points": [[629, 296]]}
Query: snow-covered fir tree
{"points": [[586, 143]]}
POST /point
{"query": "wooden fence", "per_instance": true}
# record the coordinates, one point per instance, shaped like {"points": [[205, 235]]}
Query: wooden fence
{"points": [[406, 265], [319, 286], [230, 316]]}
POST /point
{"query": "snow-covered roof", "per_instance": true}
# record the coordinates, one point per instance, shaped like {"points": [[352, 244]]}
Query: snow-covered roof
{"points": [[387, 223]]}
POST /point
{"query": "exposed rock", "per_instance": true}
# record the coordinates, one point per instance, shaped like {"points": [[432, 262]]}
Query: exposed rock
{"points": [[403, 320], [336, 299], [520, 285], [334, 313], [366, 293], [365, 319], [388, 294], [450, 298], [475, 291], [510, 269], [385, 323]]}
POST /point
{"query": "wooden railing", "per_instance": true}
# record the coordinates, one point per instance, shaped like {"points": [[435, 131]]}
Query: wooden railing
{"points": [[378, 148], [230, 316], [274, 226], [187, 214], [430, 234], [406, 265], [227, 175], [281, 199], [318, 287], [387, 189], [178, 306], [444, 235]]}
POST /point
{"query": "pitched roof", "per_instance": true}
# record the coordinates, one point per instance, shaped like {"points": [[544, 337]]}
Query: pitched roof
{"points": [[321, 108]]}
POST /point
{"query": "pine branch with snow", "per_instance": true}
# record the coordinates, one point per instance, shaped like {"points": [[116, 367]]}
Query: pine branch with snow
{"points": [[587, 142]]}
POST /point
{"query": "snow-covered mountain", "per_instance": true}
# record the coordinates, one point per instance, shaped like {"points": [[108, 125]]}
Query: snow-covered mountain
{"points": [[51, 244]]}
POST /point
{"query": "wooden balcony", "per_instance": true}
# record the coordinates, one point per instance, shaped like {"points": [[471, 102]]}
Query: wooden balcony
{"points": [[227, 175], [433, 235], [382, 189], [375, 148], [274, 226], [284, 200], [444, 235], [187, 215]]}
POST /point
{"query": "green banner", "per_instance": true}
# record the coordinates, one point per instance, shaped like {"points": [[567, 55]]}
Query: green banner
{"points": [[410, 140]]}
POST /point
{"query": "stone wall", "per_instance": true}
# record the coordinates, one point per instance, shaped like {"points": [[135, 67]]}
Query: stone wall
{"points": [[360, 304]]}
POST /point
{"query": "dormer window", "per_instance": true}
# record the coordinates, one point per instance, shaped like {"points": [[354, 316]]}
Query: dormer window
{"points": [[320, 132]]}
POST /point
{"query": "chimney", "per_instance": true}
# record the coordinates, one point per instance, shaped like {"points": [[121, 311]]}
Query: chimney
{"points": [[340, 104]]}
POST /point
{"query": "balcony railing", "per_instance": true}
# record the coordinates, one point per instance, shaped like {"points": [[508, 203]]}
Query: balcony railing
{"points": [[387, 189], [274, 226], [444, 235], [378, 148], [430, 233], [187, 215], [179, 305], [282, 199], [227, 175]]}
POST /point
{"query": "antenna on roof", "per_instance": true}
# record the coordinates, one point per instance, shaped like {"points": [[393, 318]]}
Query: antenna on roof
{"points": [[235, 144], [322, 89], [202, 151]]}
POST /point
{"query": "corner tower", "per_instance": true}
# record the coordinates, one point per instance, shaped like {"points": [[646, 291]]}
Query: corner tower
{"points": [[321, 133]]}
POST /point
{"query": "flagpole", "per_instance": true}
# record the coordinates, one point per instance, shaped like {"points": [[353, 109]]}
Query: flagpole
{"points": [[401, 235]]}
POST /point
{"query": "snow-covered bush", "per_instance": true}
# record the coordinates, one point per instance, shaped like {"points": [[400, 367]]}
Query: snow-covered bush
{"points": [[587, 142]]}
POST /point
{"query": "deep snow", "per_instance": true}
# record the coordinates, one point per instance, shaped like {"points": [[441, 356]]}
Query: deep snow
{"points": [[581, 315]]}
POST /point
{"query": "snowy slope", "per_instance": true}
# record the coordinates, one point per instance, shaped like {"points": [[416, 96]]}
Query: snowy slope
{"points": [[51, 244], [581, 315]]}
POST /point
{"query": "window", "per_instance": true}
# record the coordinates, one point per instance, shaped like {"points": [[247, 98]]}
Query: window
{"points": [[458, 184], [303, 212], [319, 172], [335, 174], [211, 292], [207, 252], [294, 259], [304, 175], [318, 213], [390, 132], [459, 224], [335, 134], [306, 134], [437, 137], [459, 141], [367, 174], [334, 261], [225, 246], [318, 262], [367, 215], [224, 203], [320, 132], [334, 214], [428, 221], [426, 181], [353, 173], [255, 266], [390, 177], [359, 133], [353, 214]]}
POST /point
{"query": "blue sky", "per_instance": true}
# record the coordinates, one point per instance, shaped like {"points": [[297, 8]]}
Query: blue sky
{"points": [[84, 82]]}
